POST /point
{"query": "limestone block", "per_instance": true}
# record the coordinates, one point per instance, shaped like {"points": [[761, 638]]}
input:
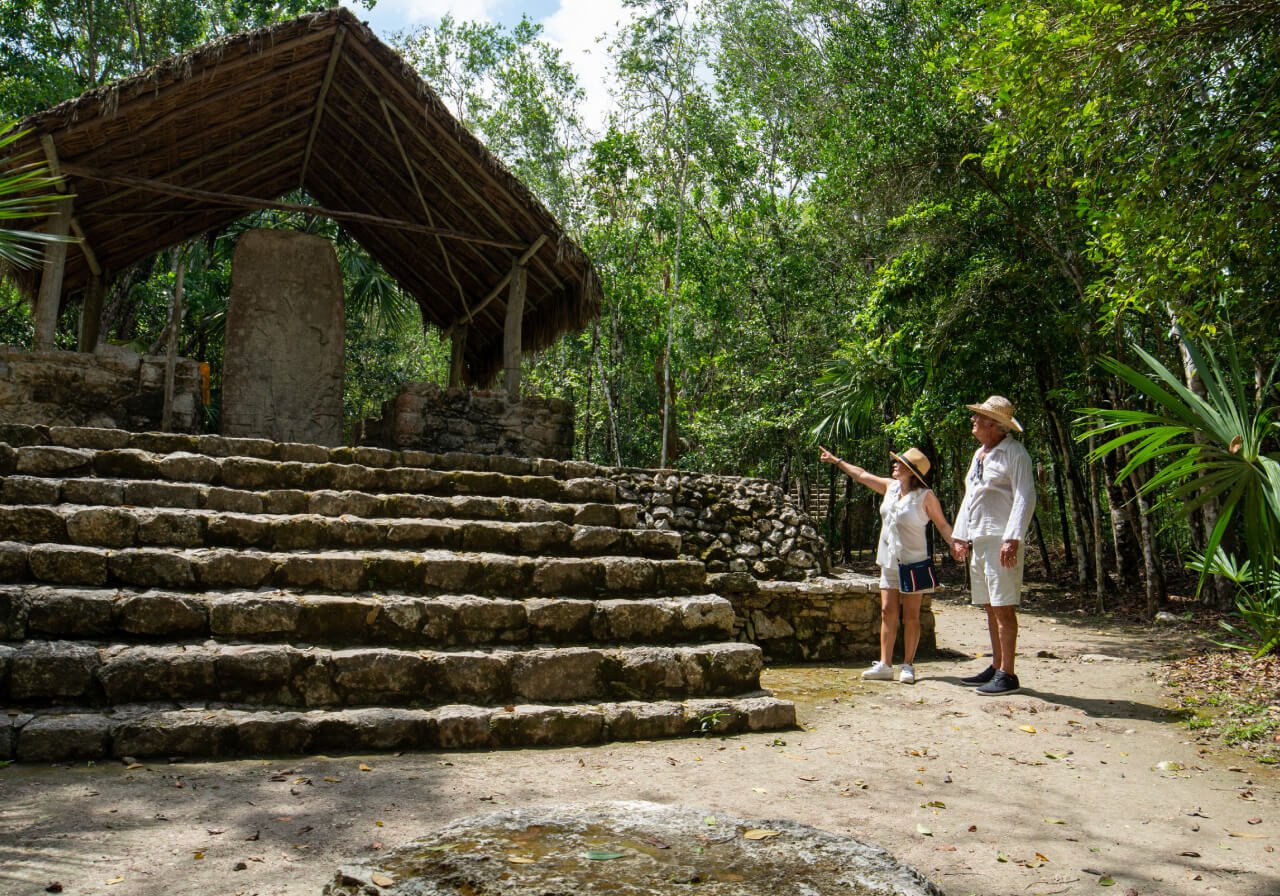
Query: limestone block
{"points": [[52, 460], [473, 677], [164, 442], [32, 525], [274, 733], [8, 457], [95, 438], [330, 572], [569, 577], [125, 463], [145, 674], [396, 620], [480, 620], [178, 733], [557, 619], [110, 527], [94, 492], [259, 673], [163, 494], [436, 534], [631, 575], [246, 615], [767, 626], [160, 613], [646, 672], [67, 565], [69, 613], [463, 727], [171, 528], [185, 467], [635, 720], [238, 569], [13, 561], [499, 575], [559, 674], [377, 675], [631, 620], [30, 490], [250, 473], [548, 726], [48, 738], [151, 568], [229, 500], [283, 370], [378, 728], [53, 669], [589, 540]]}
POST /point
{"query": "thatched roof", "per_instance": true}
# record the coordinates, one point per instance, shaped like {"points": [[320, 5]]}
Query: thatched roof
{"points": [[317, 103]]}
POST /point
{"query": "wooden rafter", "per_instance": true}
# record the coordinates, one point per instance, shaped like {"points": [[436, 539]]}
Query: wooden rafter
{"points": [[334, 56]]}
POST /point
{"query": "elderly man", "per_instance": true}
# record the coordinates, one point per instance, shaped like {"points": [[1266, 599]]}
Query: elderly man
{"points": [[991, 526]]}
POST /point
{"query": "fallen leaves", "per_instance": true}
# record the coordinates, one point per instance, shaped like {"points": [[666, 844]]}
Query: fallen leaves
{"points": [[382, 880], [760, 834]]}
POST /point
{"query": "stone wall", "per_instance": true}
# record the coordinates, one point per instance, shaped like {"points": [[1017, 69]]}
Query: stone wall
{"points": [[428, 418], [111, 388], [730, 523], [827, 619]]}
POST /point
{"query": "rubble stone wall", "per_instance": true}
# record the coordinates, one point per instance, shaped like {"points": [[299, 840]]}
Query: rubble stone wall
{"points": [[730, 523], [428, 418], [111, 388], [831, 619]]}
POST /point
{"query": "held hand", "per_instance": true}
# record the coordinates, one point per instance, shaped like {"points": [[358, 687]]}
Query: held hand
{"points": [[1009, 553], [959, 549]]}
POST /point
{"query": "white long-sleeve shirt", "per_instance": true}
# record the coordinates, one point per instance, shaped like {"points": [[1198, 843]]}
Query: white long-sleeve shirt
{"points": [[999, 494]]}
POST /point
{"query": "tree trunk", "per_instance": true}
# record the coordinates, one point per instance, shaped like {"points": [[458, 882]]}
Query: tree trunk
{"points": [[1122, 530], [1099, 549], [1157, 589], [1044, 549], [1064, 456], [1062, 514]]}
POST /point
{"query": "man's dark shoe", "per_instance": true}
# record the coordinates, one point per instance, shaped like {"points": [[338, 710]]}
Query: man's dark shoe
{"points": [[1002, 683], [981, 678]]}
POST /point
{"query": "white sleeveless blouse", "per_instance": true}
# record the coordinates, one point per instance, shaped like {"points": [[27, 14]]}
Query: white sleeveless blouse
{"points": [[902, 524]]}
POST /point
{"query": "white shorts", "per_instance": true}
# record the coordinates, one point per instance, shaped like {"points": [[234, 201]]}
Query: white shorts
{"points": [[890, 580], [991, 583]]}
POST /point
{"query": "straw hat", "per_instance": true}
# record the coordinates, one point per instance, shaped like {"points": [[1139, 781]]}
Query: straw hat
{"points": [[999, 409], [915, 461]]}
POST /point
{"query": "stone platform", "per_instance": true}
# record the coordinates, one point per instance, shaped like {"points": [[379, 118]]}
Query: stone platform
{"points": [[181, 595]]}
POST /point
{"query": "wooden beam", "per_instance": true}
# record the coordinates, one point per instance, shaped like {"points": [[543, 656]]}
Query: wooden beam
{"points": [[55, 168], [511, 353], [220, 69], [501, 284], [457, 355], [91, 314], [222, 150], [426, 209], [482, 170], [248, 202], [324, 93], [55, 265]]}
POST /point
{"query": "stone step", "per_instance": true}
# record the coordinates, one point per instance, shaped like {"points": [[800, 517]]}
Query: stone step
{"points": [[282, 675], [39, 491], [94, 439], [413, 572], [213, 731], [127, 526], [256, 474], [122, 615]]}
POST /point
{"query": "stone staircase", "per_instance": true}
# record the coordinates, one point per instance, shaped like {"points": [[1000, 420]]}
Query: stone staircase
{"points": [[186, 595]]}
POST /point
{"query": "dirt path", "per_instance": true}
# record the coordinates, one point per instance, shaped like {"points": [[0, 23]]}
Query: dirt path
{"points": [[1055, 790]]}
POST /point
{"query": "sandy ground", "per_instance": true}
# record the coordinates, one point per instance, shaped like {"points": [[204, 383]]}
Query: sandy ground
{"points": [[1083, 780]]}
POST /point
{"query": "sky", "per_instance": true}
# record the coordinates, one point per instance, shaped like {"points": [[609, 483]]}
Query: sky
{"points": [[571, 25]]}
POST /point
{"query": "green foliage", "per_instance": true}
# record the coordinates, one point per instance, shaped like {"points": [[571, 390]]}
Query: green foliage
{"points": [[1205, 448], [27, 190]]}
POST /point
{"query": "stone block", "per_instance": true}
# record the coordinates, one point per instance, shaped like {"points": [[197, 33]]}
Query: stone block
{"points": [[151, 568], [253, 616], [125, 463], [259, 673], [68, 565], [56, 737], [632, 620], [172, 529], [52, 460], [470, 677], [93, 492], [558, 619], [95, 438], [375, 675], [161, 614], [164, 494], [636, 720], [329, 572], [69, 613], [640, 673], [30, 490], [109, 527], [186, 467], [232, 569], [180, 733], [551, 726], [229, 500], [274, 733], [463, 727], [51, 670], [561, 674], [149, 674], [32, 525], [568, 577], [326, 619], [629, 575], [13, 561]]}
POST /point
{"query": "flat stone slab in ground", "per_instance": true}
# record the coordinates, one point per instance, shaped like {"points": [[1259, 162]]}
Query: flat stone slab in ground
{"points": [[628, 848]]}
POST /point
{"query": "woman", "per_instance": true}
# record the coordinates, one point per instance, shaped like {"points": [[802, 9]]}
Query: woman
{"points": [[907, 507]]}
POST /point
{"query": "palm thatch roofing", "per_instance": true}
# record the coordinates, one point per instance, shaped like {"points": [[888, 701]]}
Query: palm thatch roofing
{"points": [[317, 103]]}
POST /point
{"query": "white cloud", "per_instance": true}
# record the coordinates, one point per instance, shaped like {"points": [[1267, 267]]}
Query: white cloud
{"points": [[575, 29], [390, 16]]}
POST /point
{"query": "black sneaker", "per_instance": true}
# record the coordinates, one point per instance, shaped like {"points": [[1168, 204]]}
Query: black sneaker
{"points": [[1002, 683], [981, 678]]}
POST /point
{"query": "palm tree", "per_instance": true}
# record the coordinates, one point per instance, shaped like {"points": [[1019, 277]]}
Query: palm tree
{"points": [[1209, 447], [27, 190]]}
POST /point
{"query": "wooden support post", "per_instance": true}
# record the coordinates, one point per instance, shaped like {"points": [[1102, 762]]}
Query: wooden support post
{"points": [[91, 314], [458, 342], [55, 264], [171, 352], [511, 354]]}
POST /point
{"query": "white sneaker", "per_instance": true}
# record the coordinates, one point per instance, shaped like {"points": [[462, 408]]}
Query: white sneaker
{"points": [[908, 674], [878, 672]]}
